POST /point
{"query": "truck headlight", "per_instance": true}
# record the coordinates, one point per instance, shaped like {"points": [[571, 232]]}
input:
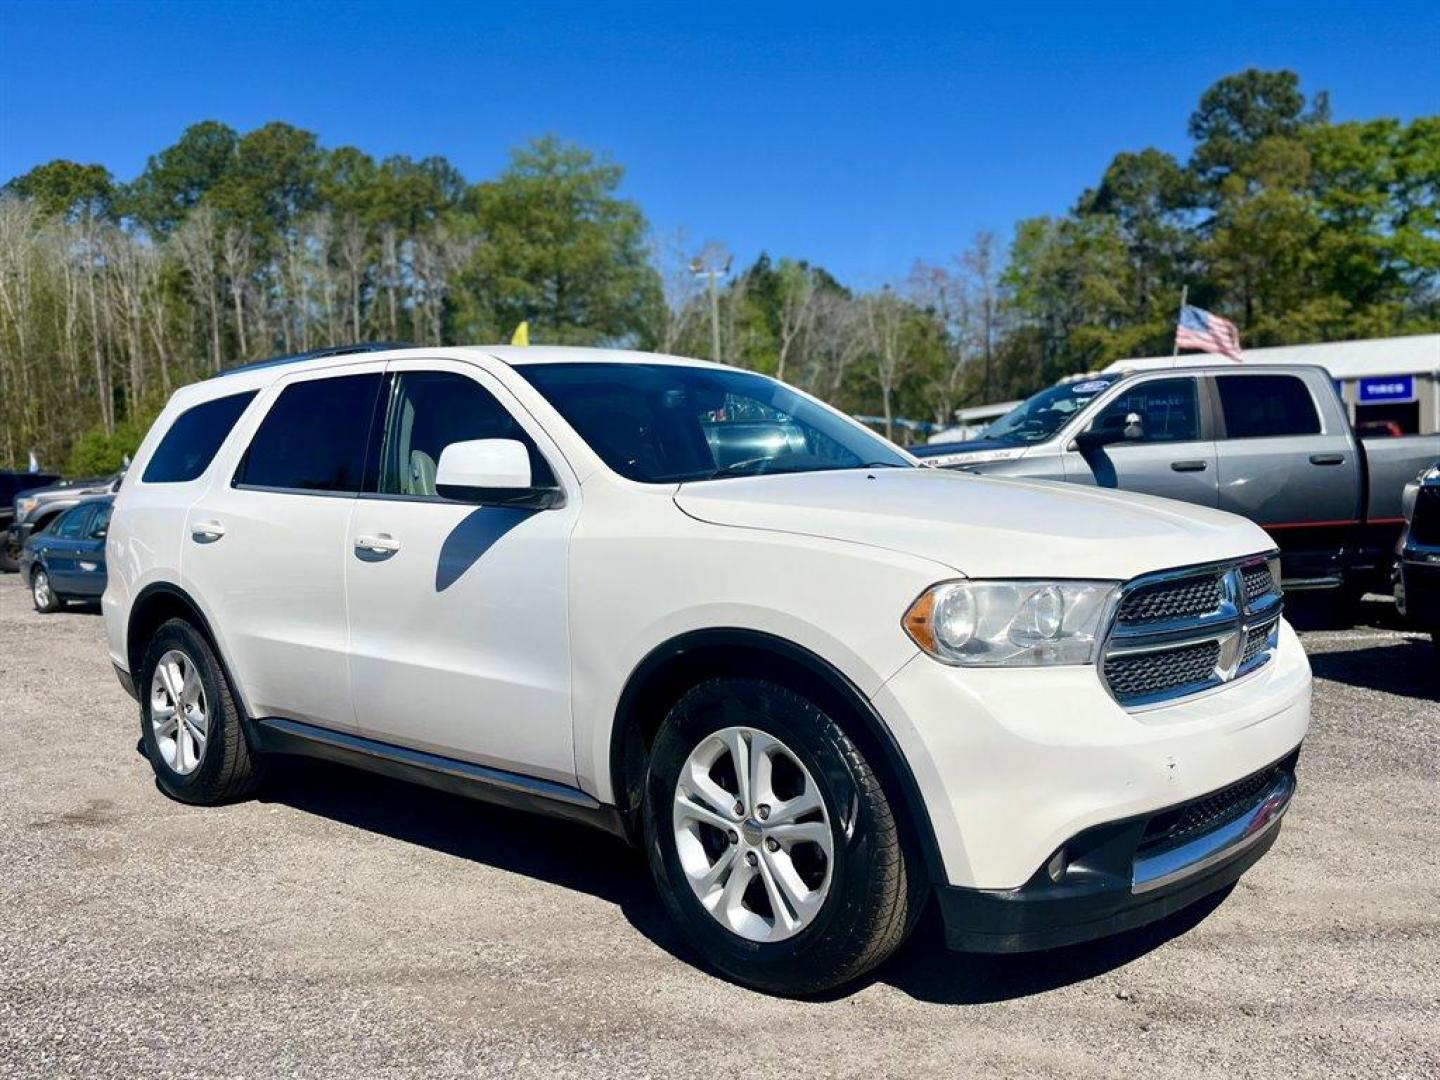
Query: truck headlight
{"points": [[24, 506], [1011, 623]]}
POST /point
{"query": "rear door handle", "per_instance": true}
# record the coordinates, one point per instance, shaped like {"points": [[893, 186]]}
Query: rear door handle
{"points": [[379, 544], [1327, 459], [1189, 466], [207, 532]]}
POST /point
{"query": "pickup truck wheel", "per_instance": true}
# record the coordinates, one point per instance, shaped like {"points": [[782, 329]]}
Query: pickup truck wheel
{"points": [[189, 722], [9, 557], [47, 600], [772, 841]]}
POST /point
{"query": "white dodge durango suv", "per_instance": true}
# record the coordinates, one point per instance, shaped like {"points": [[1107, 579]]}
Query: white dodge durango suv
{"points": [[821, 684]]}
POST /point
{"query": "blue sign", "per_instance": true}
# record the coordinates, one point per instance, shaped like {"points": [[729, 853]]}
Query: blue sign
{"points": [[1394, 388]]}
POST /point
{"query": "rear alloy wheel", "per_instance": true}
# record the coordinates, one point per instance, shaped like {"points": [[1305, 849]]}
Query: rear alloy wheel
{"points": [[772, 841], [189, 721], [43, 592]]}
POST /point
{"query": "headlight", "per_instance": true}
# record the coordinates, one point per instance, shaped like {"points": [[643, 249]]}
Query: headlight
{"points": [[26, 505], [1011, 623]]}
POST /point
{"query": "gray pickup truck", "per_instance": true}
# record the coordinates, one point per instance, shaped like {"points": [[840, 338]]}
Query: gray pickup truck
{"points": [[1271, 443], [37, 507]]}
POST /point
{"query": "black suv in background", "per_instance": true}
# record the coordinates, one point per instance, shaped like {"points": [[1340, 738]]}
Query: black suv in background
{"points": [[13, 484], [1417, 586]]}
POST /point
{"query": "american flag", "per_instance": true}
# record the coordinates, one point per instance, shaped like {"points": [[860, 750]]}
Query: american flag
{"points": [[1199, 329]]}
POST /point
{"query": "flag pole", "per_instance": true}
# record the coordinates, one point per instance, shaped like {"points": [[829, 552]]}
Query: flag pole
{"points": [[1184, 296]]}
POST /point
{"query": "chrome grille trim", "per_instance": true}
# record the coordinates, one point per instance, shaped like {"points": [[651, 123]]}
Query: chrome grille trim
{"points": [[1243, 627]]}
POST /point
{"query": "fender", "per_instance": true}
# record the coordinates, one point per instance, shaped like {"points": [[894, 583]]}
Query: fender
{"points": [[753, 648]]}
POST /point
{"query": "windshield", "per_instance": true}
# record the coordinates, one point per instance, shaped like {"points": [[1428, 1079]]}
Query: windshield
{"points": [[667, 423], [1037, 418]]}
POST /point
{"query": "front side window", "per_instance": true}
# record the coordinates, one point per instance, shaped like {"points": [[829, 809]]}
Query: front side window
{"points": [[668, 423], [71, 525], [314, 437], [1162, 410], [1259, 405], [100, 524], [429, 410], [193, 439]]}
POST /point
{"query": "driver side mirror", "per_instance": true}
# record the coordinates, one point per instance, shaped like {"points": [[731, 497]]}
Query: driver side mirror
{"points": [[491, 471]]}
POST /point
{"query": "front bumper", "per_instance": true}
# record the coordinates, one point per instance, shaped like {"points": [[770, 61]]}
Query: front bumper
{"points": [[1010, 764], [1418, 595], [1125, 874]]}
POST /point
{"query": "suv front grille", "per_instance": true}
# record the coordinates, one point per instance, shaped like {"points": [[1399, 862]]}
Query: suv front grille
{"points": [[1180, 632], [1425, 522], [1185, 598]]}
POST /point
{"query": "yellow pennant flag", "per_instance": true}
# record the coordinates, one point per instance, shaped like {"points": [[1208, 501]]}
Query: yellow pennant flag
{"points": [[522, 334]]}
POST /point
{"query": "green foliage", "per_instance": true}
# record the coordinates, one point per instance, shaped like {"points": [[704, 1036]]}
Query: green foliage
{"points": [[98, 452], [560, 249], [67, 189]]}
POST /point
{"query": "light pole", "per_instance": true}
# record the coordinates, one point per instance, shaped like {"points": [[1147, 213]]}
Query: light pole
{"points": [[701, 268]]}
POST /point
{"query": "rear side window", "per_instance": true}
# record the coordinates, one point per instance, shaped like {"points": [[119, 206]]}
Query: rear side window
{"points": [[1256, 406], [314, 437], [189, 446]]}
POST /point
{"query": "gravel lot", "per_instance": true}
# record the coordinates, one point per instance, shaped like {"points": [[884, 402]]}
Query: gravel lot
{"points": [[347, 926]]}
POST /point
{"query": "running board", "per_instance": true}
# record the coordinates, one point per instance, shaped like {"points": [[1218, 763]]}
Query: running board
{"points": [[1307, 584], [277, 735]]}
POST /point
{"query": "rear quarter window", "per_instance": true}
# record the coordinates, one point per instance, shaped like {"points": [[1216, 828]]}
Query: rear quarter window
{"points": [[193, 439]]}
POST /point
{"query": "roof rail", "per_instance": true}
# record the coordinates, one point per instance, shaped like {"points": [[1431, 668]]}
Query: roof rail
{"points": [[315, 354]]}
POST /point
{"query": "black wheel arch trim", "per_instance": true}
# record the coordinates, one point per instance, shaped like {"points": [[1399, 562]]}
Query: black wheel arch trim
{"points": [[627, 775], [135, 652]]}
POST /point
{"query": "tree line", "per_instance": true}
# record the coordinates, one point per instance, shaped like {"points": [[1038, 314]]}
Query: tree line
{"points": [[232, 246]]}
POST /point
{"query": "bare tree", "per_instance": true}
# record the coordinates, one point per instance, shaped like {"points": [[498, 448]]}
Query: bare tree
{"points": [[884, 322], [195, 242]]}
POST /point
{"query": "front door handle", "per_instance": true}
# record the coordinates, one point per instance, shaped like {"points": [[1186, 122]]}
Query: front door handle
{"points": [[1327, 459], [1189, 466], [379, 544], [207, 532]]}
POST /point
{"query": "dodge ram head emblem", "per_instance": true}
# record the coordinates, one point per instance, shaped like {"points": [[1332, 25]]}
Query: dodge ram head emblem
{"points": [[1232, 645]]}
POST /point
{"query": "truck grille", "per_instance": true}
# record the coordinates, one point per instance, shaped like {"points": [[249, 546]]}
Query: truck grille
{"points": [[1181, 632]]}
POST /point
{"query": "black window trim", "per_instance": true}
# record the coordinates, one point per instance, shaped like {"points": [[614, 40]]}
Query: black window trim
{"points": [[1217, 405]]}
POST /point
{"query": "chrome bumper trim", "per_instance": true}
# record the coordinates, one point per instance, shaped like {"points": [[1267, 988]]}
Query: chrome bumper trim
{"points": [[1168, 867]]}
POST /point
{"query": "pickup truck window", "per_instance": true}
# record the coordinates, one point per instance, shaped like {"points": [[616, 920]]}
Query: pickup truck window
{"points": [[668, 423], [1037, 418], [1257, 406], [314, 437], [189, 446], [1169, 411]]}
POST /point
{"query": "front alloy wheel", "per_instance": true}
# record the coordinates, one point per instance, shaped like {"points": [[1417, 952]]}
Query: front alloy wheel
{"points": [[753, 834], [772, 840]]}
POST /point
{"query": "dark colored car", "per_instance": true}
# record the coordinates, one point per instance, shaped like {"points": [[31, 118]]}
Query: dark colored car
{"points": [[66, 559], [1417, 586], [13, 485]]}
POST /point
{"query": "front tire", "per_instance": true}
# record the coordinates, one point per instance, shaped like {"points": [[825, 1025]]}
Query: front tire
{"points": [[42, 591], [772, 841], [190, 724]]}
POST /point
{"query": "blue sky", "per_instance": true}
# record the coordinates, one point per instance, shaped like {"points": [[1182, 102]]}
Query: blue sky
{"points": [[859, 136]]}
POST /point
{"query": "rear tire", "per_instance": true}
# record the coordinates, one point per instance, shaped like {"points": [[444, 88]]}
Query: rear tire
{"points": [[190, 724], [844, 905], [42, 592]]}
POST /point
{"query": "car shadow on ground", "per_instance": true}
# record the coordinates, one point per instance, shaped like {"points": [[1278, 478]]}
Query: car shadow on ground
{"points": [[1407, 668], [592, 862]]}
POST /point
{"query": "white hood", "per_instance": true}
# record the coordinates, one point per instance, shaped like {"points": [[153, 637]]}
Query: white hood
{"points": [[981, 526]]}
